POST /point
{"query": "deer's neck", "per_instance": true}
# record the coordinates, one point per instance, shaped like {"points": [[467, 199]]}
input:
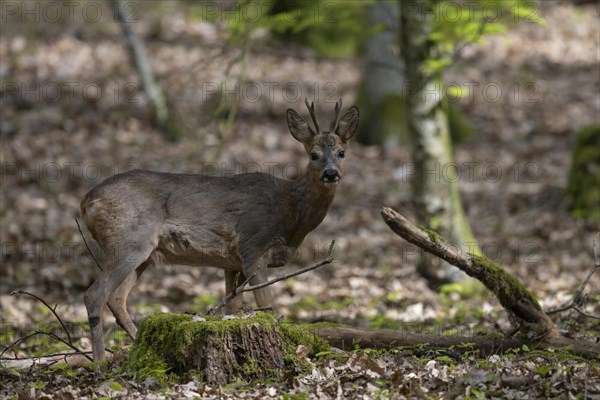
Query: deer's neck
{"points": [[310, 202]]}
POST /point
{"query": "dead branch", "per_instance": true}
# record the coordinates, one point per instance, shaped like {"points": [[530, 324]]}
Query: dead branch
{"points": [[76, 350], [225, 300], [348, 338], [511, 293], [513, 296], [52, 310], [579, 298], [68, 342]]}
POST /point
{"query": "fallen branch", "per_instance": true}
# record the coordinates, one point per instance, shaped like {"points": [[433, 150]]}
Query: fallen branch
{"points": [[511, 293], [68, 342], [349, 338]]}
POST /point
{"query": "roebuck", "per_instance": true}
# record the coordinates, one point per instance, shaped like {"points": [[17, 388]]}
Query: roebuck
{"points": [[243, 223]]}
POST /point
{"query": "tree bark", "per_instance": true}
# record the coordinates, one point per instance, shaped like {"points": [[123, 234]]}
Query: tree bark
{"points": [[435, 189]]}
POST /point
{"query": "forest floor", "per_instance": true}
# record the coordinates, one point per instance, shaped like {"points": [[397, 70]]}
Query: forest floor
{"points": [[72, 115]]}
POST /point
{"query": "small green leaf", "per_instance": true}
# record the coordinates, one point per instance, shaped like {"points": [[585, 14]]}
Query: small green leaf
{"points": [[116, 386], [445, 359], [543, 370], [456, 91]]}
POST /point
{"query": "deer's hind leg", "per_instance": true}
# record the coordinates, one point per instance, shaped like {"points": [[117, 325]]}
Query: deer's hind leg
{"points": [[123, 263], [117, 302]]}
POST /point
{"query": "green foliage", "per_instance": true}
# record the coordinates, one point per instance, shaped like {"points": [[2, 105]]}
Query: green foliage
{"points": [[334, 28], [315, 303], [455, 24]]}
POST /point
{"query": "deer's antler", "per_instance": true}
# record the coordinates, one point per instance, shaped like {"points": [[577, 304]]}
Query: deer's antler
{"points": [[311, 110], [338, 107]]}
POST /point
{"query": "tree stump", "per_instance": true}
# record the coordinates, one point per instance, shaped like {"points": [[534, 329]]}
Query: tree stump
{"points": [[246, 348]]}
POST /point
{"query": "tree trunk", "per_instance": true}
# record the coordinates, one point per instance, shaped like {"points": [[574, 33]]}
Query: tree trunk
{"points": [[435, 188], [382, 107], [156, 97]]}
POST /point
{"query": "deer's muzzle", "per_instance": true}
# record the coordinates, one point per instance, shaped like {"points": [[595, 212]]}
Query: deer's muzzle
{"points": [[330, 175]]}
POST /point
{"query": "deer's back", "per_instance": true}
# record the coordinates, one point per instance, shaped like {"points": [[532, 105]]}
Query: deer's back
{"points": [[190, 219]]}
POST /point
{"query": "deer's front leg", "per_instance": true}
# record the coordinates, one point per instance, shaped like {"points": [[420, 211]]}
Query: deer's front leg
{"points": [[263, 296], [231, 283]]}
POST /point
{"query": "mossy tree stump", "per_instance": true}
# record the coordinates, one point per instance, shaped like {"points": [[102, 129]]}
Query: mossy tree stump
{"points": [[220, 351]]}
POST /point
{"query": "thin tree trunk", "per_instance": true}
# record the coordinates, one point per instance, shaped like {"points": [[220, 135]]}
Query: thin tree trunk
{"points": [[156, 97]]}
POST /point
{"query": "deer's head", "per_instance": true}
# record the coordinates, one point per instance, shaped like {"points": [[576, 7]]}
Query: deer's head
{"points": [[326, 149]]}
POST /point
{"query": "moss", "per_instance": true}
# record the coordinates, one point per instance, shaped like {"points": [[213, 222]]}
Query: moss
{"points": [[433, 235], [296, 335], [151, 353], [168, 343], [583, 190], [507, 287]]}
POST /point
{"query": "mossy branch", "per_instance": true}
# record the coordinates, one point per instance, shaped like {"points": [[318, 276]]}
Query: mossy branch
{"points": [[511, 293]]}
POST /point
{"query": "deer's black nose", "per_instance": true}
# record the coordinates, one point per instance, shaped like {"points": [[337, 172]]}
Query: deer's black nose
{"points": [[330, 175]]}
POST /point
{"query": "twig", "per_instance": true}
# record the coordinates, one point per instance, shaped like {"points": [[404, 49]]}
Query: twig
{"points": [[52, 309], [242, 288], [86, 245], [64, 354], [459, 49], [578, 299], [53, 336], [585, 314], [327, 260], [234, 292], [16, 342]]}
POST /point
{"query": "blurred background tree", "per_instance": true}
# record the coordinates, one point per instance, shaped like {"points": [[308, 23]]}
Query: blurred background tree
{"points": [[406, 47]]}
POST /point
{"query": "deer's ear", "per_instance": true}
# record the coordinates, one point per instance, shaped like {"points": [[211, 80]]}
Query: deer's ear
{"points": [[348, 125], [298, 127]]}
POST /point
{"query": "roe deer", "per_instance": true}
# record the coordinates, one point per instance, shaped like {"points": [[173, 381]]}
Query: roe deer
{"points": [[142, 218]]}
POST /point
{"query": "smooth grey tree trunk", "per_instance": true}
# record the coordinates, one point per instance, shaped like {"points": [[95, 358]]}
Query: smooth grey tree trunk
{"points": [[380, 97]]}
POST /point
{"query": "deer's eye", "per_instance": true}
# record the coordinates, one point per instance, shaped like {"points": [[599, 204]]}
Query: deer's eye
{"points": [[314, 156], [342, 154]]}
